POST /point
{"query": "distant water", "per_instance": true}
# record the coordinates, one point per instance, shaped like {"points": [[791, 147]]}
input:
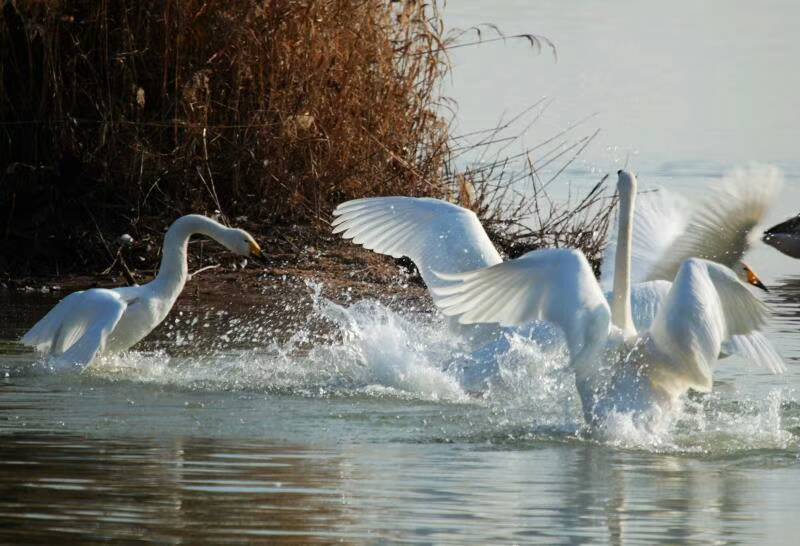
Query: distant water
{"points": [[358, 427], [682, 87]]}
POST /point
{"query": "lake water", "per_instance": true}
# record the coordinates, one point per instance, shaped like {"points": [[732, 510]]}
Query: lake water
{"points": [[216, 431]]}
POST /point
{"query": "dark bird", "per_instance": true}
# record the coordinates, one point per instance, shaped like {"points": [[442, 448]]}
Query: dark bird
{"points": [[785, 237]]}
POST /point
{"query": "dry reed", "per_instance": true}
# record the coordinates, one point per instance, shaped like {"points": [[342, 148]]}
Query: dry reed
{"points": [[118, 116], [122, 115]]}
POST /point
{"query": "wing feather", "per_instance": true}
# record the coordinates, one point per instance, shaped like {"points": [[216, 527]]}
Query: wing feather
{"points": [[77, 329], [554, 285], [758, 350], [706, 306], [44, 333], [722, 228], [435, 235]]}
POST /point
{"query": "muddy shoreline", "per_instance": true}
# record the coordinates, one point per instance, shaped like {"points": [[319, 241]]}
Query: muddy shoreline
{"points": [[343, 272]]}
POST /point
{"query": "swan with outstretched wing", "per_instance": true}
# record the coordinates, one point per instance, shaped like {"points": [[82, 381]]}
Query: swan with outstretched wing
{"points": [[616, 367], [443, 237], [434, 234], [99, 321]]}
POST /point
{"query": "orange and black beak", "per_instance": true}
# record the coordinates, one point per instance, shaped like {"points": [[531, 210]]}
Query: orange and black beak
{"points": [[257, 253], [753, 279]]}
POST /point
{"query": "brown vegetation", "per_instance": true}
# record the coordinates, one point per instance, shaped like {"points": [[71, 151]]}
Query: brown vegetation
{"points": [[125, 114], [119, 116]]}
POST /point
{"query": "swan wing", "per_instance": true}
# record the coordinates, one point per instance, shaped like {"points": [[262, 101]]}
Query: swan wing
{"points": [[706, 306], [658, 219], [435, 235], [42, 335], [77, 329], [756, 348], [554, 285], [722, 228]]}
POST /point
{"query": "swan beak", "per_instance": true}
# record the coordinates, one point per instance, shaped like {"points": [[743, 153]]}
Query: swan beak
{"points": [[255, 250], [753, 279]]}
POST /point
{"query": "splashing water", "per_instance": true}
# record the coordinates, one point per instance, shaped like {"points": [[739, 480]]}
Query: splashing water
{"points": [[362, 349], [523, 389]]}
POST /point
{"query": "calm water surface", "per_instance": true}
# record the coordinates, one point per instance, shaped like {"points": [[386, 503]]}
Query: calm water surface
{"points": [[354, 431]]}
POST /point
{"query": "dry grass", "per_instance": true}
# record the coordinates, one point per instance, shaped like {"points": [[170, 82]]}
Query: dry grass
{"points": [[147, 109], [511, 193], [119, 116]]}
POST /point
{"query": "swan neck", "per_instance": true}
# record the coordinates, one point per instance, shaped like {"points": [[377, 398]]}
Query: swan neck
{"points": [[621, 316], [174, 270]]}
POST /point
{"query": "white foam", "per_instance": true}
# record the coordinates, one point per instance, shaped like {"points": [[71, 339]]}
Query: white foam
{"points": [[369, 349]]}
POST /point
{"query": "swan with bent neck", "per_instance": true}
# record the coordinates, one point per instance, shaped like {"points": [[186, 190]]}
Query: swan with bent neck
{"points": [[617, 369], [100, 321]]}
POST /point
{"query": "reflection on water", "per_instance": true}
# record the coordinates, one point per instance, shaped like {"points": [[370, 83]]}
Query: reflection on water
{"points": [[784, 300], [202, 490], [181, 490]]}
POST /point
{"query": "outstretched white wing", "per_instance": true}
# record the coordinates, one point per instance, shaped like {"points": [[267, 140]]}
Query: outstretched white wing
{"points": [[435, 235], [77, 329], [659, 218], [555, 285], [721, 229], [706, 306]]}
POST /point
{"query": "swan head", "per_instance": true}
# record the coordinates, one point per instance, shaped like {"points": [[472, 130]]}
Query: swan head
{"points": [[748, 276], [626, 182], [240, 242]]}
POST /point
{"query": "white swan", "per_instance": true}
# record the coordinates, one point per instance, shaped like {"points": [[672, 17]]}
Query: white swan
{"points": [[97, 321], [785, 237], [721, 228], [616, 368], [443, 237]]}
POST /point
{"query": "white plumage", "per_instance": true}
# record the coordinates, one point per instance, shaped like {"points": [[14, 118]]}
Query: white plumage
{"points": [[434, 234], [557, 285], [86, 324], [618, 369], [667, 230]]}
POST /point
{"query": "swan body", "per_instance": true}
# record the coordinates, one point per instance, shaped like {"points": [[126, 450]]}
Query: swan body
{"points": [[557, 286], [785, 237], [618, 368], [104, 321]]}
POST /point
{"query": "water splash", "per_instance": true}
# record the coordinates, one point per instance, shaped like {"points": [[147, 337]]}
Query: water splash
{"points": [[521, 390], [362, 349]]}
